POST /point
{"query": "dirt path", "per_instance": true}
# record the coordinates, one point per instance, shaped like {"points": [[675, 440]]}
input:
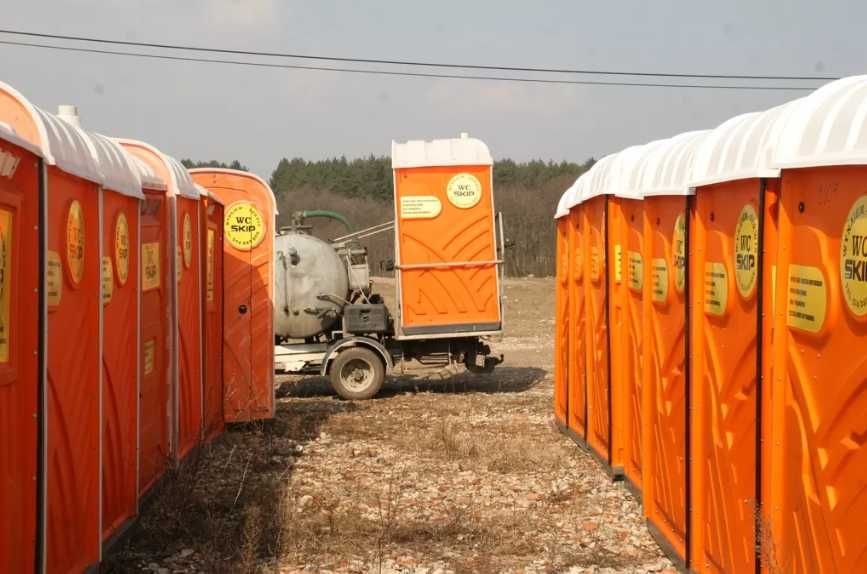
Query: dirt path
{"points": [[444, 473]]}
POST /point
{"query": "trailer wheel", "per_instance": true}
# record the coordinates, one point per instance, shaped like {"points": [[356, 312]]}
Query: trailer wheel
{"points": [[357, 373]]}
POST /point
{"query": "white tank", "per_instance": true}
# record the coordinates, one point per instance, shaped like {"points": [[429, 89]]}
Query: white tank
{"points": [[311, 286]]}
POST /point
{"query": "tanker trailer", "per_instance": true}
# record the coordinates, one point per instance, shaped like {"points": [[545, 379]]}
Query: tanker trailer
{"points": [[329, 321]]}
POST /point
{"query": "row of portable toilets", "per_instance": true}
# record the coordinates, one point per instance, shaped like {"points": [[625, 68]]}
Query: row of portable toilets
{"points": [[135, 321], [711, 333]]}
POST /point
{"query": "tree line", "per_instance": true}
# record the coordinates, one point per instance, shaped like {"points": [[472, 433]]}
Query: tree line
{"points": [[361, 189]]}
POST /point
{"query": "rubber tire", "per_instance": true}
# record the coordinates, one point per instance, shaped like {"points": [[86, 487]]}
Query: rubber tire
{"points": [[363, 354]]}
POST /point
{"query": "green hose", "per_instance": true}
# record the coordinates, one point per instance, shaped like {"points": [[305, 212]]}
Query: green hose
{"points": [[329, 214]]}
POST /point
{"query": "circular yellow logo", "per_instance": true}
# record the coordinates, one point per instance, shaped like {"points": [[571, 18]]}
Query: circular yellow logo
{"points": [[747, 251], [678, 253], [464, 190], [853, 258], [75, 242], [244, 226], [188, 241], [121, 248]]}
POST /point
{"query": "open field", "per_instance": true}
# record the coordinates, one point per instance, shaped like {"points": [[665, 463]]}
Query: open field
{"points": [[445, 472]]}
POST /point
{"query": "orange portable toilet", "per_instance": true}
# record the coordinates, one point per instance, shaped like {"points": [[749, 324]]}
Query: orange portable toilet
{"points": [[627, 313], [212, 314], [562, 314], [249, 221], [70, 521], [732, 247], [612, 214], [155, 338], [595, 218], [448, 274], [21, 344], [577, 351], [819, 435], [121, 202], [184, 293], [662, 176]]}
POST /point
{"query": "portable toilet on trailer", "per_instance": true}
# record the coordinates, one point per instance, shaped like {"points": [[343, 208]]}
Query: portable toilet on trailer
{"points": [[71, 362], [595, 215], [184, 293], [249, 229], [819, 458], [561, 313], [732, 255], [21, 343], [662, 177], [155, 339], [121, 204], [577, 383], [448, 280]]}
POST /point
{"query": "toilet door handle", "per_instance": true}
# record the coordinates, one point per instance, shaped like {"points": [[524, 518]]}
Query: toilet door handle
{"points": [[242, 309]]}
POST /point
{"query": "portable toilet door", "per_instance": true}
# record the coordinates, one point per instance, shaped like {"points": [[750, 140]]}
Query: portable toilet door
{"points": [[155, 339], [729, 249], [662, 177], [249, 222], [577, 351], [186, 297], [121, 202], [594, 210], [448, 280], [819, 460], [71, 398], [21, 347], [212, 315], [561, 318]]}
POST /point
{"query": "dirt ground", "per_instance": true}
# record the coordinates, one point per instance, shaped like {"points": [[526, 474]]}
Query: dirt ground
{"points": [[444, 472]]}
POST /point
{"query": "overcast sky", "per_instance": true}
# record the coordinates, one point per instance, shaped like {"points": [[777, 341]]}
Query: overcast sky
{"points": [[209, 111]]}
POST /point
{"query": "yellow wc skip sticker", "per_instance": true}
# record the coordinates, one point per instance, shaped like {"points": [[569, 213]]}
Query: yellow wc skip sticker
{"points": [[660, 280], [808, 298], [678, 244], [244, 226], [747, 251], [121, 248], [853, 258], [420, 207], [150, 266], [5, 282], [716, 288], [464, 190], [107, 280], [636, 271], [53, 278], [188, 241], [75, 237]]}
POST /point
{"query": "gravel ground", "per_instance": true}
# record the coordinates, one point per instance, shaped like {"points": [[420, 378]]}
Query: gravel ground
{"points": [[444, 472]]}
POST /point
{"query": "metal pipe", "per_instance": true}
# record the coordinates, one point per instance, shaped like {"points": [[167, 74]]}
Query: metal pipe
{"points": [[307, 213]]}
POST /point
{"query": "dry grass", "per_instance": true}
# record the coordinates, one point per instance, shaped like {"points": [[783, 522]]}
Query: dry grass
{"points": [[464, 475]]}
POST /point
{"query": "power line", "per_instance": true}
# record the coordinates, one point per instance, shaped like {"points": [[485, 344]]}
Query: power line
{"points": [[401, 74], [416, 63]]}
